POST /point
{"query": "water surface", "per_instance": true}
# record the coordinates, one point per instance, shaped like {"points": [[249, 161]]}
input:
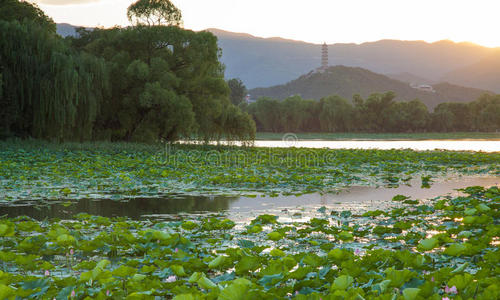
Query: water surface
{"points": [[451, 145], [355, 199]]}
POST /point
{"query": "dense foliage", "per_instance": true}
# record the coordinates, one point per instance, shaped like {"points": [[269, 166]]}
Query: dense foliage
{"points": [[49, 90], [238, 91], [166, 82], [441, 249], [377, 113], [118, 171], [142, 83], [21, 10]]}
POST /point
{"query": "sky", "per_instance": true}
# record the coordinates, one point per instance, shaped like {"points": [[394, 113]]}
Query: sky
{"points": [[315, 21]]}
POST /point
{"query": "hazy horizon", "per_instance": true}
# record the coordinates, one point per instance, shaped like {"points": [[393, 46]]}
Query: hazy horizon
{"points": [[332, 22], [301, 41]]}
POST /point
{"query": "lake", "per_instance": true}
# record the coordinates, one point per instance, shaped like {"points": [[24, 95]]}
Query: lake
{"points": [[355, 199]]}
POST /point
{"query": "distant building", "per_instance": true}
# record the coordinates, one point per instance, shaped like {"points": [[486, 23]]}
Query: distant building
{"points": [[423, 87], [324, 56], [324, 61]]}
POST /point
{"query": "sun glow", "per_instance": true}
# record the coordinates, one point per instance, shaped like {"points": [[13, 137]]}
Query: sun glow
{"points": [[319, 21]]}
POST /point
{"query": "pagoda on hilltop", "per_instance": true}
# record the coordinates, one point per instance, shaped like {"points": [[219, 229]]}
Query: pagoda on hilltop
{"points": [[324, 56]]}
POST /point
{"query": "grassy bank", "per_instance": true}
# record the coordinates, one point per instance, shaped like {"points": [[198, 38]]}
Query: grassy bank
{"points": [[385, 136], [32, 170]]}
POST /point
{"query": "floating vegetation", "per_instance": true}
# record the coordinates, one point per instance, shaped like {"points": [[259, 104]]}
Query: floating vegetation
{"points": [[52, 172], [444, 248]]}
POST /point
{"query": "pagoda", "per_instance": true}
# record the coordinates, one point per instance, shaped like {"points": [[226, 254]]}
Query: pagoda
{"points": [[324, 56]]}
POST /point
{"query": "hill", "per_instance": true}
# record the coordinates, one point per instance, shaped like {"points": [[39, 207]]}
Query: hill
{"points": [[64, 29], [347, 81], [410, 78]]}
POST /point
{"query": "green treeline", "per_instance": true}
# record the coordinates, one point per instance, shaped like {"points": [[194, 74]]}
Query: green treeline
{"points": [[148, 82], [377, 113]]}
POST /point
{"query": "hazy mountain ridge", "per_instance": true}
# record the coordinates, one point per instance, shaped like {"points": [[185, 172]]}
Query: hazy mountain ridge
{"points": [[64, 29], [264, 62], [347, 81], [483, 74]]}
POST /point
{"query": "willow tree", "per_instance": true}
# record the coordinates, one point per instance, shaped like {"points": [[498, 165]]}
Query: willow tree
{"points": [[49, 91], [154, 13], [336, 114]]}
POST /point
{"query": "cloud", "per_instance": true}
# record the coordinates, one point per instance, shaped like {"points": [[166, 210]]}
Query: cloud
{"points": [[65, 2]]}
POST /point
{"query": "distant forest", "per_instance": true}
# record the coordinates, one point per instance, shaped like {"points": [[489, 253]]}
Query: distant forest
{"points": [[377, 113], [148, 82]]}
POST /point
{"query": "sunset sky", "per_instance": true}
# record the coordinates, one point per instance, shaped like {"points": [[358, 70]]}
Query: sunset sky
{"points": [[316, 21]]}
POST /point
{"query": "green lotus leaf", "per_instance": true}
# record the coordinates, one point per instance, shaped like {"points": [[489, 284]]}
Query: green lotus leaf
{"points": [[345, 236], [178, 270], [483, 207], [382, 286], [216, 262], [184, 297], [195, 276], [277, 252], [206, 283], [455, 249], [247, 263], [124, 271], [342, 282], [6, 230], [274, 236], [410, 293], [428, 244], [237, 290]]}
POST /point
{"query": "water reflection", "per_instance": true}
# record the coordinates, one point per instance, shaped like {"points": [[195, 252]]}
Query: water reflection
{"points": [[133, 208], [357, 198], [360, 198]]}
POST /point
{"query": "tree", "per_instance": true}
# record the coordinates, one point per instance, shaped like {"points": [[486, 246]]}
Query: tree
{"points": [[154, 13], [312, 110], [443, 119], [167, 83], [486, 113], [20, 11], [238, 91], [49, 91], [237, 125], [373, 114], [418, 115], [336, 114], [294, 114], [267, 113]]}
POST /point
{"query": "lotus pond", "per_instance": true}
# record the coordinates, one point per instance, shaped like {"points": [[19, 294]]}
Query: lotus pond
{"points": [[447, 248], [34, 171], [193, 222]]}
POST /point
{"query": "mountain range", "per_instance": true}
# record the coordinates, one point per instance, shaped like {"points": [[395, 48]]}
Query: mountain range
{"points": [[265, 62]]}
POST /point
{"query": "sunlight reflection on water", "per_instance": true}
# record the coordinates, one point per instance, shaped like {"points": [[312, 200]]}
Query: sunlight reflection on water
{"points": [[290, 208], [453, 145]]}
